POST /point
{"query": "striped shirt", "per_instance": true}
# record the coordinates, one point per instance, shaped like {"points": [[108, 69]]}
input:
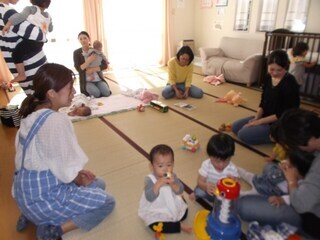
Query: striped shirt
{"points": [[9, 41]]}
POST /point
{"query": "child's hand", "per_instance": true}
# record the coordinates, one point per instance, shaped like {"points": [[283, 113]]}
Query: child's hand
{"points": [[276, 201], [210, 188], [162, 181]]}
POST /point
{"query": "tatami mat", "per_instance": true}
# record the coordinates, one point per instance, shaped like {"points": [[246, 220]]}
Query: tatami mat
{"points": [[117, 146], [124, 167]]}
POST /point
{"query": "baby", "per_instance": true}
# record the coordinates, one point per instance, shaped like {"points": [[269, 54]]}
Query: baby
{"points": [[82, 111], [80, 106], [97, 49]]}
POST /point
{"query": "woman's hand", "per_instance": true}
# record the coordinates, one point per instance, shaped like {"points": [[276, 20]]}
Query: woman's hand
{"points": [[91, 58], [252, 122], [276, 201], [179, 95], [290, 172], [186, 93], [84, 178]]}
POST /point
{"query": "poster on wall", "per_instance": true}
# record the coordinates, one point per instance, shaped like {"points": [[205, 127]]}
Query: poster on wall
{"points": [[180, 3], [221, 3], [206, 3]]}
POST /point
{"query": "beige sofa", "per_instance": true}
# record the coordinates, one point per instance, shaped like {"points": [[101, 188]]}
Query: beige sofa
{"points": [[239, 60]]}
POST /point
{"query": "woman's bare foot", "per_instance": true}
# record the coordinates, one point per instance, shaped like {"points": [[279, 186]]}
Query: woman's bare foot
{"points": [[192, 197], [186, 228]]}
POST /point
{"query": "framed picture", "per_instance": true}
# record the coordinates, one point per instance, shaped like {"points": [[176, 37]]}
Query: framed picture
{"points": [[206, 3], [221, 3]]}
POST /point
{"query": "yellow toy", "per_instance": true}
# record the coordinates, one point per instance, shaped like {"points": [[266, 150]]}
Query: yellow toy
{"points": [[158, 231]]}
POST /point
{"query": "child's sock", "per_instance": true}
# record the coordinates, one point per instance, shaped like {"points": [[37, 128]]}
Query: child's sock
{"points": [[247, 176], [49, 232]]}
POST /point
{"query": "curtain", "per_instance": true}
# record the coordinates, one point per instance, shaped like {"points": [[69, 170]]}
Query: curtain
{"points": [[5, 75], [167, 51], [93, 16]]}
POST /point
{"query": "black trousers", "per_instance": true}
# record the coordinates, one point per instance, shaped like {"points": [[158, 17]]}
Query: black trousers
{"points": [[24, 49], [170, 227]]}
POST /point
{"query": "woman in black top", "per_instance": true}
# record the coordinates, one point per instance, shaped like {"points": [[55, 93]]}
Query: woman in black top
{"points": [[280, 93]]}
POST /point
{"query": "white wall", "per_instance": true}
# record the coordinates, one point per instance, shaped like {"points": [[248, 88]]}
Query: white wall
{"points": [[183, 21], [193, 22]]}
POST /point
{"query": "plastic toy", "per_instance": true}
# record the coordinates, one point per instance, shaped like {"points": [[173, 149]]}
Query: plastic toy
{"points": [[220, 224], [225, 127], [190, 143], [140, 108], [233, 97], [158, 231], [168, 175], [159, 106], [11, 87]]}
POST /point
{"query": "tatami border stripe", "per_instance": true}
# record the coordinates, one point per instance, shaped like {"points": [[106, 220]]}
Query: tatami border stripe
{"points": [[146, 155], [207, 126], [215, 130]]}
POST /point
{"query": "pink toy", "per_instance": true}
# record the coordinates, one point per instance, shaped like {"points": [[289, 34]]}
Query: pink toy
{"points": [[140, 108], [147, 96], [214, 80], [233, 98]]}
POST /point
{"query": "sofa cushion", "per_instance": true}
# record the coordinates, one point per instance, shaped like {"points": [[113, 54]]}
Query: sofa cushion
{"points": [[236, 71], [206, 53], [214, 67], [240, 48]]}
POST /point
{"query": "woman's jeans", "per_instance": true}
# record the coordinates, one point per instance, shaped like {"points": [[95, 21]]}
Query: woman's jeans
{"points": [[267, 183], [98, 89], [253, 135], [194, 91], [257, 208], [91, 219]]}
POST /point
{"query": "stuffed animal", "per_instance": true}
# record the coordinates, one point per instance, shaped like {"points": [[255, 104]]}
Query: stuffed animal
{"points": [[214, 80], [147, 96], [233, 97]]}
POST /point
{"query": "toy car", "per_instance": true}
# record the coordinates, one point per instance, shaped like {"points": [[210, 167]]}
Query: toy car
{"points": [[190, 143]]}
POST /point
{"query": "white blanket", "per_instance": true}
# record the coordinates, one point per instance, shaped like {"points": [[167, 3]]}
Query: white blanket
{"points": [[107, 105]]}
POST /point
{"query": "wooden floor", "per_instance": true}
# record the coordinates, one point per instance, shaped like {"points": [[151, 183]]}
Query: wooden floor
{"points": [[117, 146]]}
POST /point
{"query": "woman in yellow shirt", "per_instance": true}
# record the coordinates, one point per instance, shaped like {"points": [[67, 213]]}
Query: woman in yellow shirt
{"points": [[180, 69]]}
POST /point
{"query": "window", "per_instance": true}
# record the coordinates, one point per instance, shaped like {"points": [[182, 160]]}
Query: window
{"points": [[268, 15], [242, 19], [134, 37], [63, 40], [296, 17]]}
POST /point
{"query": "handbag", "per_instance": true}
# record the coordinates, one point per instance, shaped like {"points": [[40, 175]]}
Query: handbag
{"points": [[10, 116]]}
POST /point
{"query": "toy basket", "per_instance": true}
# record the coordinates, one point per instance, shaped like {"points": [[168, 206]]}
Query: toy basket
{"points": [[10, 116]]}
